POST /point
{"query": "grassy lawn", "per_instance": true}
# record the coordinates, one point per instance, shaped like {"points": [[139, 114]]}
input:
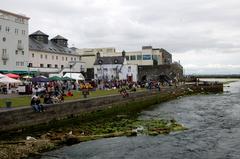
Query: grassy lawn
{"points": [[25, 100]]}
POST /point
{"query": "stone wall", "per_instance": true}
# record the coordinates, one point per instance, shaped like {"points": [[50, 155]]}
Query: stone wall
{"points": [[16, 118], [153, 72]]}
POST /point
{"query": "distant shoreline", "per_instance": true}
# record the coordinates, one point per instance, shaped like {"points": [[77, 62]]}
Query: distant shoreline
{"points": [[216, 76]]}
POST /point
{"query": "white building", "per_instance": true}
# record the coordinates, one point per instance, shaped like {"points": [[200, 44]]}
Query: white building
{"points": [[13, 42], [114, 68], [53, 56], [146, 57], [88, 55]]}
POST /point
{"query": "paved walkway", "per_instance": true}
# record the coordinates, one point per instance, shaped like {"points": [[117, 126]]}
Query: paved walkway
{"points": [[3, 96]]}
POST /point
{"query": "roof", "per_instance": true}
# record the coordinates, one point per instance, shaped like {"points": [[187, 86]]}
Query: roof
{"points": [[14, 14], [39, 32], [59, 37], [49, 47], [109, 60]]}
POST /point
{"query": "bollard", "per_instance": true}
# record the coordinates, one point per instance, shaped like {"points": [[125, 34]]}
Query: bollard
{"points": [[8, 104]]}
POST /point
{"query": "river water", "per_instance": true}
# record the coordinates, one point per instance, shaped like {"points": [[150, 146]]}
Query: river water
{"points": [[214, 132]]}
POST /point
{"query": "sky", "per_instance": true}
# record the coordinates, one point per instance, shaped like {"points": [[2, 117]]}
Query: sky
{"points": [[202, 34]]}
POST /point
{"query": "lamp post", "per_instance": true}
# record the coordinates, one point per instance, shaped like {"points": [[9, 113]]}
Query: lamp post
{"points": [[70, 71], [28, 66]]}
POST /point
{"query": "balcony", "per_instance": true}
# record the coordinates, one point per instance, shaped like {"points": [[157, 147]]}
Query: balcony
{"points": [[5, 57], [20, 46]]}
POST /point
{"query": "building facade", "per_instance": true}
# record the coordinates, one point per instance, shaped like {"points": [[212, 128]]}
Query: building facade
{"points": [[148, 56], [13, 42], [52, 56], [114, 68]]}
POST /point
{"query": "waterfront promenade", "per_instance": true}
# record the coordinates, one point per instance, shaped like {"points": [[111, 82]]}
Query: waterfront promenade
{"points": [[15, 118]]}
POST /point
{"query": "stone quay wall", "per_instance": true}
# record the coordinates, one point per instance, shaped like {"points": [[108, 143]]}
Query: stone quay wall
{"points": [[18, 118]]}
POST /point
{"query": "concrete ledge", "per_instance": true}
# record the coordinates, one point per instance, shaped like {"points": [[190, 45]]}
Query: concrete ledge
{"points": [[16, 118]]}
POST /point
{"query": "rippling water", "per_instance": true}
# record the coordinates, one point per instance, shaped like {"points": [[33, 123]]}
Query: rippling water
{"points": [[214, 132]]}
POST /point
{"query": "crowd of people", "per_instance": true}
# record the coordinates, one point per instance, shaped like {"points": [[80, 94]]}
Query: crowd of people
{"points": [[54, 92]]}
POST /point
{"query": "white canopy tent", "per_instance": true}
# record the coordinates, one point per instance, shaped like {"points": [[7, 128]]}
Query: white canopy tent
{"points": [[1, 75], [7, 80], [76, 76]]}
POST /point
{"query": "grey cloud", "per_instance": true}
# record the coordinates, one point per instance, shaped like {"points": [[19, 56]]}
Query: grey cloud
{"points": [[177, 25]]}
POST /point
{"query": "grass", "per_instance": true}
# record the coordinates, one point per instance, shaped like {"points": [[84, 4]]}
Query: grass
{"points": [[25, 100]]}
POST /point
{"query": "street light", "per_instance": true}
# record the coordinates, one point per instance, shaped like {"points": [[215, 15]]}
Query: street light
{"points": [[28, 66], [70, 71]]}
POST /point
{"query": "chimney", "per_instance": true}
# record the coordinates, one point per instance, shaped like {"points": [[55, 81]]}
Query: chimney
{"points": [[98, 55]]}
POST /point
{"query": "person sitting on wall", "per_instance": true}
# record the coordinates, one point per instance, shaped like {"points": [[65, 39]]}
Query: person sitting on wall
{"points": [[47, 99], [36, 104], [69, 93], [124, 92]]}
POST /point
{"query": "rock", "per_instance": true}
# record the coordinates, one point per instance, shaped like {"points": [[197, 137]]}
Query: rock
{"points": [[30, 138]]}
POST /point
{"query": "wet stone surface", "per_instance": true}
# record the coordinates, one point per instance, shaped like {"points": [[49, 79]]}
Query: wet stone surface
{"points": [[213, 123]]}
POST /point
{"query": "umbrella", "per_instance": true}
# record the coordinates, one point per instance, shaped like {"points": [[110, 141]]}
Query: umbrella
{"points": [[27, 77], [55, 78], [11, 75], [6, 80], [39, 79]]}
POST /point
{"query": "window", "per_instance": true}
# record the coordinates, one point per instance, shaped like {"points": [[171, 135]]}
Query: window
{"points": [[16, 31], [81, 68], [41, 56], [74, 58], [7, 29], [4, 39], [23, 32], [30, 65], [66, 59], [45, 56], [147, 57], [56, 57], [42, 65], [71, 59], [22, 52], [4, 51], [62, 58], [0, 27], [155, 57], [139, 57], [127, 57], [19, 41], [16, 52], [49, 65], [79, 58], [62, 66], [17, 63], [32, 55], [52, 57], [4, 62], [129, 68], [132, 57], [56, 66]]}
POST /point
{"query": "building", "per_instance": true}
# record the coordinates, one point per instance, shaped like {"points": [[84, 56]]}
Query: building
{"points": [[13, 42], [114, 68], [52, 56], [148, 56]]}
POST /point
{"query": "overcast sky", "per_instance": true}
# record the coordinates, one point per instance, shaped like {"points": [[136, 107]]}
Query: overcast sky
{"points": [[204, 35]]}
